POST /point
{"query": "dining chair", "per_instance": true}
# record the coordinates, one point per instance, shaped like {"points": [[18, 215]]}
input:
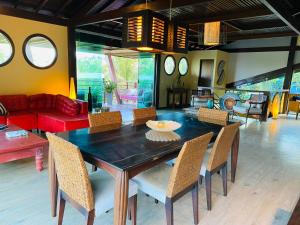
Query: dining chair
{"points": [[106, 120], [91, 195], [213, 116], [216, 160], [168, 184], [141, 116]]}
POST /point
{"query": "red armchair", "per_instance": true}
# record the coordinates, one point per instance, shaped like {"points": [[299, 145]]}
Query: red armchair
{"points": [[53, 113]]}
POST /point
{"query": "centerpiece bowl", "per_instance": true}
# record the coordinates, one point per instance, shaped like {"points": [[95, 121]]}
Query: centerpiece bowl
{"points": [[163, 125]]}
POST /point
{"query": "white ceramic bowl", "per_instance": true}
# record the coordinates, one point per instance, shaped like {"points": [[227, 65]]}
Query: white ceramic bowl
{"points": [[163, 125]]}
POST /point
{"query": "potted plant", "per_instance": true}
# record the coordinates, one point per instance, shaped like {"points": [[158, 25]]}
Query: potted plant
{"points": [[109, 87]]}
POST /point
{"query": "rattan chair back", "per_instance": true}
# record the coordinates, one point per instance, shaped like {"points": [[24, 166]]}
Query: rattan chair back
{"points": [[186, 169], [106, 121], [222, 146], [213, 116], [141, 116], [71, 171]]}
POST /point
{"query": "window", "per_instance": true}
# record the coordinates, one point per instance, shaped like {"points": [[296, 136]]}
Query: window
{"points": [[295, 87], [272, 85], [169, 65], [39, 51], [89, 74], [6, 49], [183, 66]]}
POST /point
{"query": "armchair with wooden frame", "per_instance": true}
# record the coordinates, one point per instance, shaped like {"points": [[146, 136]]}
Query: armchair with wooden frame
{"points": [[257, 105]]}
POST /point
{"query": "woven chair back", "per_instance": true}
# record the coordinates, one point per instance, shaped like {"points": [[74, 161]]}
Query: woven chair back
{"points": [[71, 171], [222, 146], [106, 121], [188, 164], [213, 116], [141, 116]]}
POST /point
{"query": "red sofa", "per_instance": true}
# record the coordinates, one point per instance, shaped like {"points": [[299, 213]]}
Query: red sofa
{"points": [[53, 113]]}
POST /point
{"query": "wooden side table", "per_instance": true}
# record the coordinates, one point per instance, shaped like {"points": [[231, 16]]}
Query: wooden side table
{"points": [[22, 147], [182, 92]]}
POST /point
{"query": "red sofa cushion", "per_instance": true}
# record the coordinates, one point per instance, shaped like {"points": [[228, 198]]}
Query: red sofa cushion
{"points": [[23, 119], [14, 102], [41, 102], [2, 120], [67, 106], [58, 122]]}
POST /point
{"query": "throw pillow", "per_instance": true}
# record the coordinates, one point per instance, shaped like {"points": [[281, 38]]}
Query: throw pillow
{"points": [[3, 111]]}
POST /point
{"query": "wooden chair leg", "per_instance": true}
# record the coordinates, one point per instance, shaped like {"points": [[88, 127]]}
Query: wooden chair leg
{"points": [[208, 189], [200, 179], [195, 204], [224, 178], [132, 209], [62, 204], [94, 168], [90, 217], [169, 211]]}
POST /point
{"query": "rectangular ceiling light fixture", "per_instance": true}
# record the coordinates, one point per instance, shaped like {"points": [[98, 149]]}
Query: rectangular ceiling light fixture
{"points": [[145, 31], [212, 33]]}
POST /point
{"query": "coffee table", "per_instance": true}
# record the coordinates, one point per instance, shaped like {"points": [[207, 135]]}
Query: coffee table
{"points": [[22, 147]]}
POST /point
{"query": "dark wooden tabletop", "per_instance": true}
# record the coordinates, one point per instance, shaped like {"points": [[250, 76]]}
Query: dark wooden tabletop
{"points": [[128, 147]]}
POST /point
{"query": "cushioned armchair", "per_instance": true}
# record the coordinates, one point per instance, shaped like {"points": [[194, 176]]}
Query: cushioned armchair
{"points": [[256, 105], [294, 105]]}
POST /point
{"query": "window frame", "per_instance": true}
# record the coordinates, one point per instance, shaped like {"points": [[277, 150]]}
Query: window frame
{"points": [[12, 46], [43, 36], [170, 74], [188, 65]]}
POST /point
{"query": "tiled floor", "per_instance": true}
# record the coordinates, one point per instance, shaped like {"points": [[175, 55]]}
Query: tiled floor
{"points": [[266, 189]]}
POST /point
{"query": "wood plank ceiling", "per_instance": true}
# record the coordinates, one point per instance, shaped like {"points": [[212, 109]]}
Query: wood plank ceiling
{"points": [[100, 21]]}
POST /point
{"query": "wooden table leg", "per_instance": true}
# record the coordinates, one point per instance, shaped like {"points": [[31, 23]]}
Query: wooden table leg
{"points": [[234, 155], [53, 184], [121, 198], [39, 155]]}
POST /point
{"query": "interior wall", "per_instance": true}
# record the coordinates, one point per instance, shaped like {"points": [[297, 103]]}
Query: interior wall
{"points": [[18, 77], [191, 79], [249, 64], [167, 81]]}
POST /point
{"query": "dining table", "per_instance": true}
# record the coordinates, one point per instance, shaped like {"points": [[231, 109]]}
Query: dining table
{"points": [[126, 152]]}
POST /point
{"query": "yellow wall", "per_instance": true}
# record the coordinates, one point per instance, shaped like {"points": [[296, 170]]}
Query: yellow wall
{"points": [[18, 77], [191, 79], [167, 81]]}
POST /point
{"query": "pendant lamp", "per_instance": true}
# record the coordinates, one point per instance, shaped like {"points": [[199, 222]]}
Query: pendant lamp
{"points": [[212, 33]]}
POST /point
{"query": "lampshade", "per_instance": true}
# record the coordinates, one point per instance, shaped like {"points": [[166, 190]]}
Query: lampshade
{"points": [[145, 31], [72, 94], [212, 33], [177, 37]]}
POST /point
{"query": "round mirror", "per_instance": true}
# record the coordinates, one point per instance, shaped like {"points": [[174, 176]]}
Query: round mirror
{"points": [[183, 66], [40, 51], [6, 48], [169, 65]]}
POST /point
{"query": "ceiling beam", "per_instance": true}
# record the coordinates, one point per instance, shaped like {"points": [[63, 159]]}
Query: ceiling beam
{"points": [[102, 32], [228, 16], [41, 5], [282, 12], [98, 40], [32, 16], [261, 25], [119, 13], [257, 36], [89, 6], [62, 7]]}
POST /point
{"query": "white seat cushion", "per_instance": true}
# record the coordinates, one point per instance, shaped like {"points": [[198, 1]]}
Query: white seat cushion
{"points": [[204, 163], [155, 181], [103, 185], [244, 110]]}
